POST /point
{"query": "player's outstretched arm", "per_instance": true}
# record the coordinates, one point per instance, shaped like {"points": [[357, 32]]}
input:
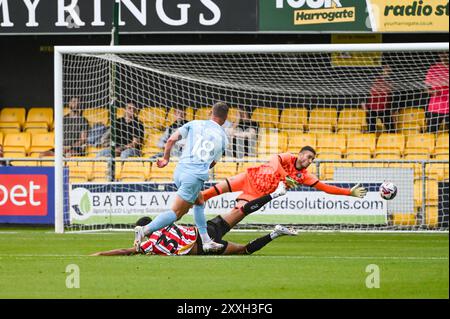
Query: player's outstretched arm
{"points": [[117, 252], [355, 191]]}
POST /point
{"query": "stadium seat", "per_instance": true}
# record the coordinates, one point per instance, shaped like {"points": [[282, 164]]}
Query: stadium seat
{"points": [[358, 156], [442, 144], [1, 138], [17, 142], [41, 142], [203, 113], [390, 144], [134, 172], [13, 114], [163, 174], [437, 171], [224, 170], [97, 116], [351, 120], [420, 144], [82, 171], [267, 117], [322, 120], [233, 114], [271, 142], [410, 120], [431, 216], [40, 118], [331, 143], [361, 143], [100, 172], [327, 169], [154, 117], [299, 140], [12, 119], [171, 115], [295, 119], [432, 193]]}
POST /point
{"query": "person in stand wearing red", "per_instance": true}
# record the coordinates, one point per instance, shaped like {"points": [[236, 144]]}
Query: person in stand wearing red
{"points": [[378, 104], [437, 84]]}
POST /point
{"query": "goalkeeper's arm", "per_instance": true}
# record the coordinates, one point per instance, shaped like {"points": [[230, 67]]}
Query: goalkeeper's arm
{"points": [[355, 191]]}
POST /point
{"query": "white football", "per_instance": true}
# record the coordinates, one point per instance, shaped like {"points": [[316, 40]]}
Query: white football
{"points": [[388, 190]]}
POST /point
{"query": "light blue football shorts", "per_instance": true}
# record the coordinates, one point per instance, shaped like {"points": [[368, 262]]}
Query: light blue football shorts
{"points": [[188, 185]]}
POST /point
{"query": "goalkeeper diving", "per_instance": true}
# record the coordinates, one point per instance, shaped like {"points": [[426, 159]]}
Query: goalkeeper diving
{"points": [[257, 184]]}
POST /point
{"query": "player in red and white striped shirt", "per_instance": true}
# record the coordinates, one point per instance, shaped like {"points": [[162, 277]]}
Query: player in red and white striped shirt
{"points": [[176, 240]]}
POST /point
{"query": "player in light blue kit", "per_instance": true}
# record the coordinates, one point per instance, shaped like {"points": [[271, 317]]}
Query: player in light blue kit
{"points": [[206, 141]]}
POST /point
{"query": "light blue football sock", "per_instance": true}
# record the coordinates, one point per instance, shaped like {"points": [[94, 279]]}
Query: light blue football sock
{"points": [[161, 221], [200, 221]]}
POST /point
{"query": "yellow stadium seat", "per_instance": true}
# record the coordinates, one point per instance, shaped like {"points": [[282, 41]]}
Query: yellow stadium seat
{"points": [[327, 169], [322, 120], [82, 170], [411, 120], [203, 113], [351, 120], [431, 216], [133, 172], [224, 170], [294, 119], [299, 140], [388, 155], [1, 138], [432, 193], [402, 219], [271, 142], [391, 144], [120, 112], [154, 117], [252, 162], [13, 117], [267, 117], [233, 114], [42, 142], [17, 142], [330, 143], [437, 171], [97, 115], [420, 144], [171, 115], [163, 174], [100, 172], [359, 156], [40, 118], [47, 161], [442, 144], [361, 143]]}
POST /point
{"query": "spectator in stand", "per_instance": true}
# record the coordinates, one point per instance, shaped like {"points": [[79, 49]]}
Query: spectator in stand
{"points": [[378, 104], [437, 84], [244, 135], [75, 130], [129, 135], [180, 120]]}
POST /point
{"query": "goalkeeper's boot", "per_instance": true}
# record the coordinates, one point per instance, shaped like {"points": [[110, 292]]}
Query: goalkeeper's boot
{"points": [[138, 237], [284, 231], [212, 247], [280, 191]]}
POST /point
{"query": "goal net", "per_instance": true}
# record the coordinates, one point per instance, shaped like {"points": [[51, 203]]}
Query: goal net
{"points": [[373, 113]]}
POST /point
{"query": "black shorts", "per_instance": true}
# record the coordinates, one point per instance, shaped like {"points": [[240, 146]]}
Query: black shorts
{"points": [[217, 228]]}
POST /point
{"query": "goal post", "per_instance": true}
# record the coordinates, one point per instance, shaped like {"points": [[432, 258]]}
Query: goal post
{"points": [[319, 94]]}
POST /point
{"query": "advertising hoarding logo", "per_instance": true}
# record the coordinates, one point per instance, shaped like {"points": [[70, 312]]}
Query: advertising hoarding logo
{"points": [[80, 203], [313, 15], [23, 195]]}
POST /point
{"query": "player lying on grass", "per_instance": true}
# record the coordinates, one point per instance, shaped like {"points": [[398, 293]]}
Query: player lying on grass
{"points": [[182, 240], [257, 182]]}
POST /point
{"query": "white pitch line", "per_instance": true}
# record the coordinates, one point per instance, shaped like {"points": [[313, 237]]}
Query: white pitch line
{"points": [[256, 256]]}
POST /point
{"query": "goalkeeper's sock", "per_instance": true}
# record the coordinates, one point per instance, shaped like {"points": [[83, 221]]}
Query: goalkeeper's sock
{"points": [[257, 244], [200, 221], [161, 221], [255, 204]]}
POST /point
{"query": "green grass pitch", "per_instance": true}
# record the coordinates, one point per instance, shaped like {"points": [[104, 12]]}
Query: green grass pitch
{"points": [[313, 265]]}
